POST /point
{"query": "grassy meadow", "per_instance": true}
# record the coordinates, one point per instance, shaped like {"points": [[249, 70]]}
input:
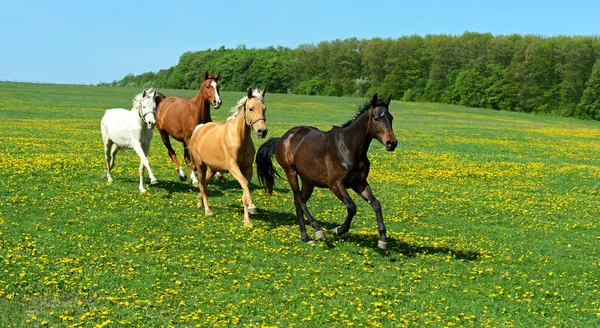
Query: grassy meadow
{"points": [[492, 218]]}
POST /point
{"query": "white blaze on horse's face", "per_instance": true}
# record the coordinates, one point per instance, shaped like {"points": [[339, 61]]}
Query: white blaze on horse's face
{"points": [[217, 102], [150, 120], [148, 110]]}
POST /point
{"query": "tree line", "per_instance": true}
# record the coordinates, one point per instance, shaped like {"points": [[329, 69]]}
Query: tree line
{"points": [[557, 75]]}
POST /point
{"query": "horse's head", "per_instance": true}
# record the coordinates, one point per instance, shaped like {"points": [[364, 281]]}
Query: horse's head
{"points": [[147, 109], [210, 89], [380, 123], [254, 113]]}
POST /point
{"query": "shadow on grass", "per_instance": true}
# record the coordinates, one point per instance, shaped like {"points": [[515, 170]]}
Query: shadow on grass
{"points": [[274, 219], [411, 250], [216, 187], [406, 249]]}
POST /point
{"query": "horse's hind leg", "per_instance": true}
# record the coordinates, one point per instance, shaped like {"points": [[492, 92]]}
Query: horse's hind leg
{"points": [[113, 155], [340, 191], [186, 157], [365, 192], [300, 204], [108, 157], [208, 176], [307, 190], [167, 141], [202, 186]]}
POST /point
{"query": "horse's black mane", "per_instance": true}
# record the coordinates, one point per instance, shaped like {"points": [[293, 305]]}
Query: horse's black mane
{"points": [[361, 109]]}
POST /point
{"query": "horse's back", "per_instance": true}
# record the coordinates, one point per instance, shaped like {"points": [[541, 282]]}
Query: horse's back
{"points": [[115, 117], [314, 154], [115, 126], [300, 143]]}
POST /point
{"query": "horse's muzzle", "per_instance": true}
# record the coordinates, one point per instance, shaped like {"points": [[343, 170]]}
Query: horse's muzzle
{"points": [[391, 145], [216, 104], [261, 133]]}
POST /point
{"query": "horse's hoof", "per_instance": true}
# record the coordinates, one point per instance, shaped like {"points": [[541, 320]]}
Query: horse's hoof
{"points": [[143, 190], [311, 242], [209, 214], [382, 244], [199, 204], [335, 231], [110, 181], [182, 178], [319, 234], [153, 182], [252, 210], [248, 224]]}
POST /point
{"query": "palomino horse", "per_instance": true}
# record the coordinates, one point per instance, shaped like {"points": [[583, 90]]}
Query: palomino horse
{"points": [[123, 128], [227, 147], [336, 159], [178, 116]]}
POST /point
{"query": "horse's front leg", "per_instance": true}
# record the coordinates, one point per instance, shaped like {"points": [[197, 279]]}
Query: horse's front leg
{"points": [[364, 190], [144, 163], [246, 198], [248, 175], [340, 191], [186, 157], [109, 159], [146, 148]]}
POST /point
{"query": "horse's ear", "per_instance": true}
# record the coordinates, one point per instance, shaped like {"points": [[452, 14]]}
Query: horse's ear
{"points": [[388, 100], [206, 75], [374, 101], [249, 94], [144, 93], [262, 94], [218, 75]]}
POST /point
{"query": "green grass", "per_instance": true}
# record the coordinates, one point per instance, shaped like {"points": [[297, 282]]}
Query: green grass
{"points": [[492, 216]]}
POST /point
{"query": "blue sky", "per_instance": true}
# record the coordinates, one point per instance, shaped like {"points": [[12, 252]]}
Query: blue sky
{"points": [[100, 41]]}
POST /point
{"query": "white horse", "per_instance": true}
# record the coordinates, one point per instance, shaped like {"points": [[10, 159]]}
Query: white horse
{"points": [[130, 129]]}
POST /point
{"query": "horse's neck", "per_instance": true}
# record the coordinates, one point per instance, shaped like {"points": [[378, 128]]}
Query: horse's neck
{"points": [[241, 128], [135, 118], [202, 108], [356, 136]]}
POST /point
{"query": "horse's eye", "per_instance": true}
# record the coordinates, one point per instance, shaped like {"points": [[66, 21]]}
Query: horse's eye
{"points": [[375, 119], [251, 109]]}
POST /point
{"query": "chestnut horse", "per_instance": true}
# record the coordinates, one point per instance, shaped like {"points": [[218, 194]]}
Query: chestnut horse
{"points": [[178, 116], [227, 147], [336, 159]]}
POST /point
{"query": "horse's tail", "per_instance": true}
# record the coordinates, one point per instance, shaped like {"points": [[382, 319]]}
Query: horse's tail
{"points": [[264, 165]]}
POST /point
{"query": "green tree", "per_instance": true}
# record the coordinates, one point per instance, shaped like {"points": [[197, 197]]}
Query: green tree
{"points": [[589, 107]]}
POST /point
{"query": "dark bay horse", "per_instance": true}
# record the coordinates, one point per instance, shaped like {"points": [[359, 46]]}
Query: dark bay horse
{"points": [[178, 116], [336, 159]]}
